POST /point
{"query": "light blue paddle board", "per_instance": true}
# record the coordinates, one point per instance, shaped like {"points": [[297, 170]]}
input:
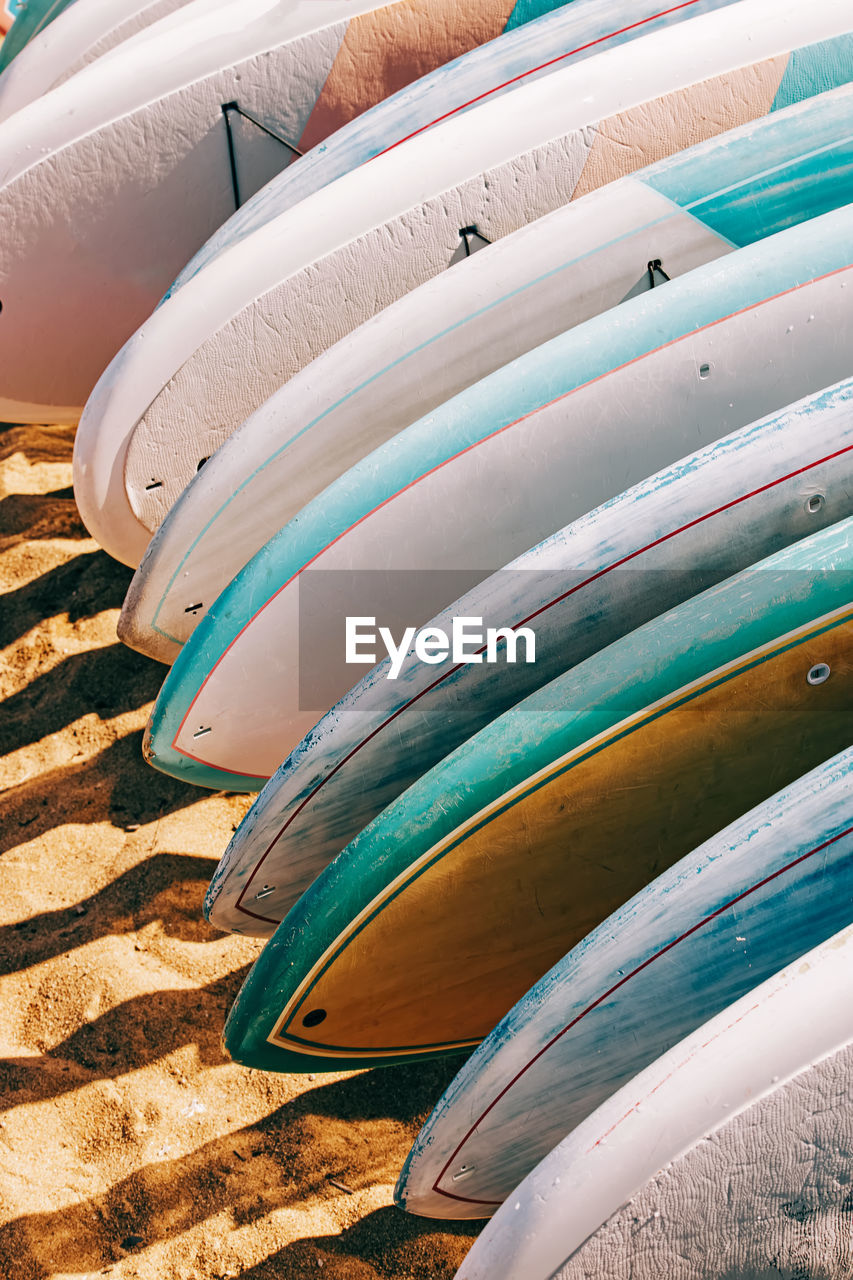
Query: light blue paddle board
{"points": [[727, 1157]]}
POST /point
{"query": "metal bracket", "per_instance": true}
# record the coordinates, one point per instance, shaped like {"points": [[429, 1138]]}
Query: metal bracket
{"points": [[655, 267], [227, 108], [466, 233]]}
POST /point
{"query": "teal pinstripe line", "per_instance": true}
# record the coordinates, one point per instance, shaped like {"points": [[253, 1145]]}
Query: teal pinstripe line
{"points": [[48, 15], [46, 18], [529, 791], [475, 315]]}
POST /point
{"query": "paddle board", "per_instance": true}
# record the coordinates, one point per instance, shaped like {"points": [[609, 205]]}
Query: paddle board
{"points": [[697, 938], [29, 18], [662, 541], [134, 162], [492, 472], [439, 916], [729, 1156], [307, 278], [79, 34], [462, 325]]}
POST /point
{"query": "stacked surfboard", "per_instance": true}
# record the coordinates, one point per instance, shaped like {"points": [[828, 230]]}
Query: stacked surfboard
{"points": [[471, 390]]}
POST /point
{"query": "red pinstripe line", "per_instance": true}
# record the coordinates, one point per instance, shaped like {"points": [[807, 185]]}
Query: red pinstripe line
{"points": [[672, 1074], [532, 71]]}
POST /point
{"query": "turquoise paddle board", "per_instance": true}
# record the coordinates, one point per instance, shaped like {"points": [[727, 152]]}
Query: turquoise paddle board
{"points": [[28, 18]]}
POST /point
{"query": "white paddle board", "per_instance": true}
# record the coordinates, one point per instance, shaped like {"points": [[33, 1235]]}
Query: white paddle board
{"points": [[29, 17], [135, 161], [81, 33]]}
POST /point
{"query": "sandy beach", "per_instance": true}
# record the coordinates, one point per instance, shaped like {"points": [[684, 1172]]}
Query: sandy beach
{"points": [[129, 1144]]}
